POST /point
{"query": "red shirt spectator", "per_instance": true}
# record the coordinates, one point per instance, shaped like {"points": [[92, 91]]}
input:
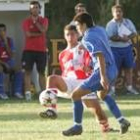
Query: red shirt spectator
{"points": [[37, 43]]}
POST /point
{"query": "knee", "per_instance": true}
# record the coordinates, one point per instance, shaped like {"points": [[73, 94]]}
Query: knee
{"points": [[102, 94], [75, 96], [52, 79]]}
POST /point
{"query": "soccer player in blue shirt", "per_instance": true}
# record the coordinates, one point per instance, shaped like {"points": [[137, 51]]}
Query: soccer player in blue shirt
{"points": [[105, 72]]}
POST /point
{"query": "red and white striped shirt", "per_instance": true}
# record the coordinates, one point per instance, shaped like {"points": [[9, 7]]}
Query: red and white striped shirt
{"points": [[72, 62]]}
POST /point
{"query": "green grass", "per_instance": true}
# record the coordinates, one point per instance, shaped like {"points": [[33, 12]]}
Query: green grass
{"points": [[19, 120]]}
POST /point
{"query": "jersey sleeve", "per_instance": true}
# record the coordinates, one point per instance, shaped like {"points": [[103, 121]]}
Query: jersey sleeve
{"points": [[92, 49], [132, 26]]}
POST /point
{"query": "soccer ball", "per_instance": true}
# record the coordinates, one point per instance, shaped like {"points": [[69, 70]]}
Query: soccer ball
{"points": [[47, 97]]}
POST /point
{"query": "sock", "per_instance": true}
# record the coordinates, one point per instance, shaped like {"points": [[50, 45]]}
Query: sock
{"points": [[1, 83], [53, 106], [110, 102], [104, 125], [77, 112]]}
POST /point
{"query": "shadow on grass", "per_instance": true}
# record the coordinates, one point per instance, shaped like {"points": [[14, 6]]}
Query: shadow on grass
{"points": [[24, 116], [19, 116], [34, 100]]}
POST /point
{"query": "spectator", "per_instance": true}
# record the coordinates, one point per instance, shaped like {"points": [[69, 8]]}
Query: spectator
{"points": [[120, 31], [34, 52], [8, 65], [80, 8]]}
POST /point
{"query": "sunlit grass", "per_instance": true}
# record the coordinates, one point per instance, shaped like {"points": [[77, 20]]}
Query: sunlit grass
{"points": [[19, 120]]}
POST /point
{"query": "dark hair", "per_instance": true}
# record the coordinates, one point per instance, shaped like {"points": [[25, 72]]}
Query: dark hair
{"points": [[84, 18], [116, 7], [3, 26], [79, 5], [70, 27], [35, 2]]}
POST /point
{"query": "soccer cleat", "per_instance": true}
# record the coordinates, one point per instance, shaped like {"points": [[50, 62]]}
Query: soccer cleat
{"points": [[75, 130], [125, 124], [51, 114]]}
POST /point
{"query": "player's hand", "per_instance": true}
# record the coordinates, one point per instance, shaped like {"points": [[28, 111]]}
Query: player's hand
{"points": [[87, 69], [104, 82]]}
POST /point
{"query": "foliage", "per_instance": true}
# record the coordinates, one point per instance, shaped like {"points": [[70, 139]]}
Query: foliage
{"points": [[61, 12]]}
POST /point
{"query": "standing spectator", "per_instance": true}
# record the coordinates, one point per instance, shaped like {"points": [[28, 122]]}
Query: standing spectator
{"points": [[7, 65], [35, 28], [80, 8], [120, 31]]}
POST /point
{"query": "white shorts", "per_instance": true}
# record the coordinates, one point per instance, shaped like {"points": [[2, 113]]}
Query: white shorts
{"points": [[71, 85]]}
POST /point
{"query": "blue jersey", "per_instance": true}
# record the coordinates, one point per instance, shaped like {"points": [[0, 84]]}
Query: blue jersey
{"points": [[95, 41]]}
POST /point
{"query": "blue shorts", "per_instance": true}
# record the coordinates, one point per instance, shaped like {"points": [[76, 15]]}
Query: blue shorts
{"points": [[11, 63], [123, 57], [93, 82]]}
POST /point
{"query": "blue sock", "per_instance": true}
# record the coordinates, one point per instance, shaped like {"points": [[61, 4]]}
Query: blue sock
{"points": [[78, 112], [1, 83], [110, 102]]}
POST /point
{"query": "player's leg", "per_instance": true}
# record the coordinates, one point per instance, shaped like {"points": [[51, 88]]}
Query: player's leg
{"points": [[77, 129], [41, 60], [94, 106], [112, 106], [128, 69], [92, 84], [16, 77], [3, 95], [55, 83], [117, 53], [27, 66]]}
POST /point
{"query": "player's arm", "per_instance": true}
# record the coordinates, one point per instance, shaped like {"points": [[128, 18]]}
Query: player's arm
{"points": [[61, 62], [42, 28], [102, 68], [41, 24], [87, 63], [125, 38], [112, 34], [32, 34]]}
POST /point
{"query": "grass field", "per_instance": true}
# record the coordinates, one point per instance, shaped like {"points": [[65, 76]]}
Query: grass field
{"points": [[19, 120]]}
